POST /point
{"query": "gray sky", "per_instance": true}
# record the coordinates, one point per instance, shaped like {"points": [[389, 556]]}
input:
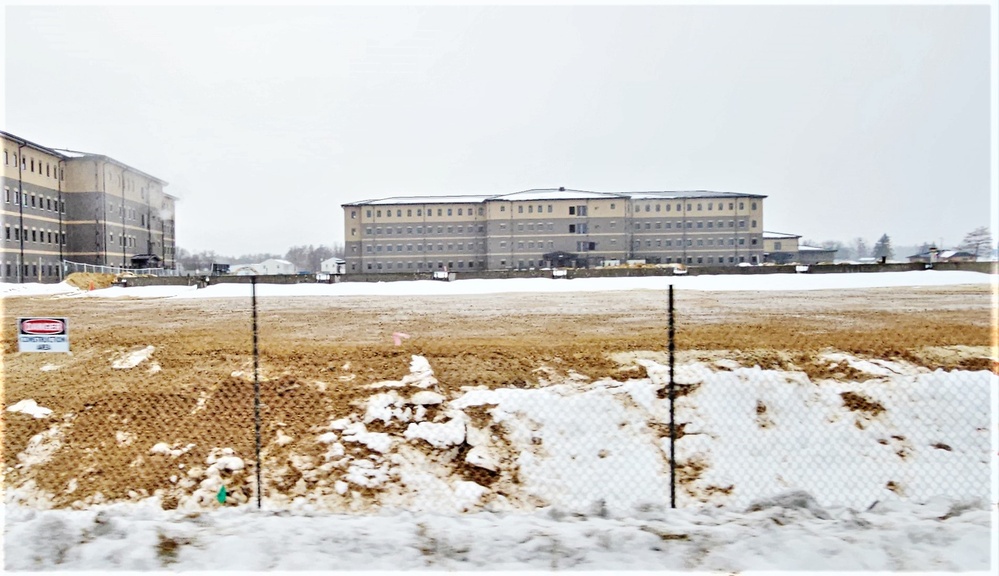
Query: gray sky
{"points": [[854, 120]]}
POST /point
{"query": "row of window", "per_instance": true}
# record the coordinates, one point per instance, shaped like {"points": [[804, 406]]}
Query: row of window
{"points": [[34, 235], [419, 212], [370, 230], [699, 224], [31, 271], [529, 245], [577, 210], [707, 259], [51, 170], [129, 213], [420, 265], [420, 247], [691, 205], [576, 228], [39, 201], [124, 240], [527, 264], [700, 242]]}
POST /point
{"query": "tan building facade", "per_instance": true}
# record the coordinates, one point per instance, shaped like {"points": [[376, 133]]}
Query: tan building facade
{"points": [[60, 205], [551, 228]]}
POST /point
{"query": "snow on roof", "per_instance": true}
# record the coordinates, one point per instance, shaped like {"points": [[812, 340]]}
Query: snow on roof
{"points": [[777, 235], [555, 194], [478, 199], [681, 194], [73, 153], [803, 248], [550, 194]]}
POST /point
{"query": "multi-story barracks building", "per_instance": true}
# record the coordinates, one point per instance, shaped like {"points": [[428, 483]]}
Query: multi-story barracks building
{"points": [[60, 205], [552, 228]]}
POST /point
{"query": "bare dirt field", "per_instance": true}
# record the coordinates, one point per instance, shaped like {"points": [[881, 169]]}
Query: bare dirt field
{"points": [[316, 353]]}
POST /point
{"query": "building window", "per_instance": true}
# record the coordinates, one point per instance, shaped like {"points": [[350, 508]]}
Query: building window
{"points": [[752, 224], [448, 211], [742, 223], [700, 224], [398, 213], [353, 213], [710, 205]]}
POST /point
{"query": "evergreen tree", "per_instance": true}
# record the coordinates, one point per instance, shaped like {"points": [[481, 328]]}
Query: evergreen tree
{"points": [[883, 249], [859, 248]]}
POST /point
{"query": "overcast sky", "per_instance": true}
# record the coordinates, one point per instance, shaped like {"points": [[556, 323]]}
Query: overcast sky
{"points": [[853, 120]]}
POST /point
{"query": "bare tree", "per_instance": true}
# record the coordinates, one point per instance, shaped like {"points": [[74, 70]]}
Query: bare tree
{"points": [[978, 242]]}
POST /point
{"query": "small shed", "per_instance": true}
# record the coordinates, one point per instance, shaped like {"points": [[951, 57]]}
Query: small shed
{"points": [[276, 266], [335, 266]]}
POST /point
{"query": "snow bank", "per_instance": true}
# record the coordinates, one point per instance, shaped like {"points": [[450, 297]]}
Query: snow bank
{"points": [[30, 407], [471, 286], [790, 533]]}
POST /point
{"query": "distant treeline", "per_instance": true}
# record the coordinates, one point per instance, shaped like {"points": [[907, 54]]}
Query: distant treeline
{"points": [[305, 258]]}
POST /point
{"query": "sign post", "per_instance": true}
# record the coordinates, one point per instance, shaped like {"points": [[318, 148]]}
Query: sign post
{"points": [[42, 335]]}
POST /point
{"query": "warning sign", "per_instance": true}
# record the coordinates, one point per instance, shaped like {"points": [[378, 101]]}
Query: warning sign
{"points": [[43, 335]]}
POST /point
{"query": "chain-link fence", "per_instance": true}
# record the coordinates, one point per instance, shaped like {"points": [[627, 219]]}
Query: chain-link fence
{"points": [[581, 403], [70, 267]]}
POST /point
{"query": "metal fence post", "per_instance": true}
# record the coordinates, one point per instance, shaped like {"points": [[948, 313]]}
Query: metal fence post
{"points": [[256, 380], [672, 397]]}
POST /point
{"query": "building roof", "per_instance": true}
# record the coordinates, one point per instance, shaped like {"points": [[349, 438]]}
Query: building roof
{"points": [[943, 254], [554, 194], [76, 154], [542, 194], [684, 194], [30, 144], [420, 200], [778, 235], [802, 248]]}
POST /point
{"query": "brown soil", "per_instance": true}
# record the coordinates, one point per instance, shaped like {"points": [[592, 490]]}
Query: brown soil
{"points": [[317, 355]]}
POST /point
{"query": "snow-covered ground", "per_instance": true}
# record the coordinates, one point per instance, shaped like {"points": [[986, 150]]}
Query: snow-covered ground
{"points": [[911, 485], [765, 282]]}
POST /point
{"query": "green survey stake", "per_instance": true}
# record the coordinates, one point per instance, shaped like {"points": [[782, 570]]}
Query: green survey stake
{"points": [[221, 496]]}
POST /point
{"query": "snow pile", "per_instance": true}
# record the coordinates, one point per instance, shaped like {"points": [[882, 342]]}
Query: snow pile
{"points": [[30, 407], [35, 289], [134, 358], [788, 532], [775, 471]]}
